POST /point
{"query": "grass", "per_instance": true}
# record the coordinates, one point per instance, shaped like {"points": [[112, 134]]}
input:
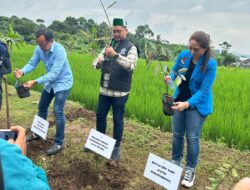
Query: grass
{"points": [[229, 123]]}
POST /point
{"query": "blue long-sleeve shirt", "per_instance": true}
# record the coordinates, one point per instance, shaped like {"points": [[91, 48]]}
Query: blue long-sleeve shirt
{"points": [[19, 172], [59, 75]]}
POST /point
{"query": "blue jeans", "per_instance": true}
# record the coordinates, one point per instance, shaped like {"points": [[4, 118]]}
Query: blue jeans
{"points": [[118, 107], [189, 122], [60, 99]]}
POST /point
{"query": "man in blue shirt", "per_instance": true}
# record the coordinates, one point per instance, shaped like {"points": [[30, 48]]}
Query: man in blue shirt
{"points": [[57, 81]]}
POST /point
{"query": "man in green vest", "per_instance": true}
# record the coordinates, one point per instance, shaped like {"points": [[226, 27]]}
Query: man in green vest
{"points": [[117, 63]]}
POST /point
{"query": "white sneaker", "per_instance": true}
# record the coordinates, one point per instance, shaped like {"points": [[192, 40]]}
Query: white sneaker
{"points": [[188, 179]]}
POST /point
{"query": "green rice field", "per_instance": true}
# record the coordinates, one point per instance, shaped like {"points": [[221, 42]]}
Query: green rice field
{"points": [[230, 122]]}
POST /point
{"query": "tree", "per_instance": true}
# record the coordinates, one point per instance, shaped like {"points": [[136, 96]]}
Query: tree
{"points": [[24, 27], [225, 46], [229, 58], [157, 50], [40, 21], [4, 23], [69, 25], [93, 41], [143, 31], [90, 25], [12, 38], [103, 32], [81, 22], [226, 58]]}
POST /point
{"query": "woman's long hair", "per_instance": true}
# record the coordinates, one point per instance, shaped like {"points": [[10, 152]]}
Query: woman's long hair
{"points": [[203, 40]]}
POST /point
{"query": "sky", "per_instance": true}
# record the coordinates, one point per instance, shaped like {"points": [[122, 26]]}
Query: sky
{"points": [[174, 20]]}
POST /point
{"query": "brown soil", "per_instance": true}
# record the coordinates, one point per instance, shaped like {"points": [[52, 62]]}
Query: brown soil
{"points": [[73, 169], [75, 173], [81, 174], [76, 113]]}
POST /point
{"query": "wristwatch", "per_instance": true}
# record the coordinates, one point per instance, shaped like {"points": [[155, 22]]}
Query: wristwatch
{"points": [[116, 56]]}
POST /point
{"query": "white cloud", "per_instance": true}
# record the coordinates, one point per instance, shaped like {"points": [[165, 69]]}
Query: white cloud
{"points": [[175, 20], [197, 8]]}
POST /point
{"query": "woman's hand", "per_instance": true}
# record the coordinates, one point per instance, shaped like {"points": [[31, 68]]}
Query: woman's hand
{"points": [[167, 79], [180, 106], [21, 138]]}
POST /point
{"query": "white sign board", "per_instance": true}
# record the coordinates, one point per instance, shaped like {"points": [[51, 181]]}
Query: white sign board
{"points": [[100, 143], [40, 126], [163, 172]]}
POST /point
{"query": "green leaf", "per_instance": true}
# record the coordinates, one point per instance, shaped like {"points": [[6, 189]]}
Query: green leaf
{"points": [[219, 172], [178, 80], [183, 77], [214, 186], [163, 51], [182, 70], [223, 169], [152, 46], [208, 188], [234, 173], [225, 165], [213, 179], [11, 29], [165, 69], [157, 69]]}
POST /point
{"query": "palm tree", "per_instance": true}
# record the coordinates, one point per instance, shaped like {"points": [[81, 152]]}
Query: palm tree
{"points": [[157, 50], [12, 38]]}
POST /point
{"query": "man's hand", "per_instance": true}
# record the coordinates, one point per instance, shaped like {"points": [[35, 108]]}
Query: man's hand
{"points": [[29, 84], [21, 138], [110, 52], [18, 73], [99, 63]]}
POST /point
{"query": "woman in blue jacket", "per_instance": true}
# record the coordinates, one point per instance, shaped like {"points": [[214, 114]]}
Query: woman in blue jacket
{"points": [[193, 101], [18, 172]]}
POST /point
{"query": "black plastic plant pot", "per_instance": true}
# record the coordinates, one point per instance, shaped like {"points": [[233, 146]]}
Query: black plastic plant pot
{"points": [[22, 92], [167, 102]]}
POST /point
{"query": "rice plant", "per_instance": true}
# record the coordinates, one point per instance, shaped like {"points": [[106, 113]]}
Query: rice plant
{"points": [[229, 122]]}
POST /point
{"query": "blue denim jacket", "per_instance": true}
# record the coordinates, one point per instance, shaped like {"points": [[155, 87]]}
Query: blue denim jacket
{"points": [[200, 83], [19, 172], [59, 75]]}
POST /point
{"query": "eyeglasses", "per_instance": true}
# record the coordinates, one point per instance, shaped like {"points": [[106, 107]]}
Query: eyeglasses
{"points": [[194, 49], [44, 44], [117, 31]]}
